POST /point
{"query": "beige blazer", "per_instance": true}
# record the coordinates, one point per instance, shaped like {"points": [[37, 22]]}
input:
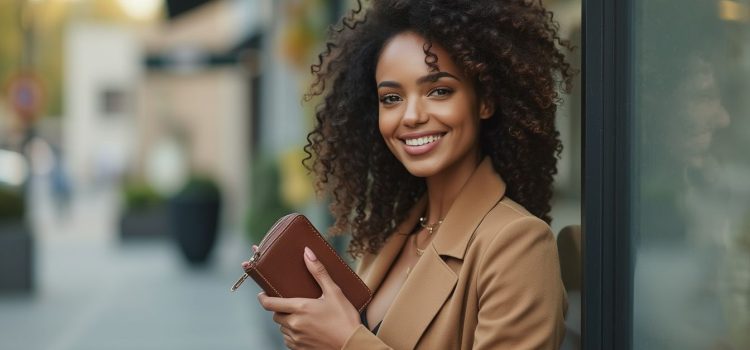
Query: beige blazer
{"points": [[490, 279]]}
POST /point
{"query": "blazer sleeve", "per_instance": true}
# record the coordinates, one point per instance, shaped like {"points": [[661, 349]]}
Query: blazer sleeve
{"points": [[520, 293], [362, 338]]}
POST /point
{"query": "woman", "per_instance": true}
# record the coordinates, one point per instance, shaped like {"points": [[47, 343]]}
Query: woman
{"points": [[436, 139]]}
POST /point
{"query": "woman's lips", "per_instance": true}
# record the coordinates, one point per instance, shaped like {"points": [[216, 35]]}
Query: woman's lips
{"points": [[422, 149]]}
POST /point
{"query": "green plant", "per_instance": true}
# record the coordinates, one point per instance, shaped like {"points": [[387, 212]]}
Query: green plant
{"points": [[266, 203], [199, 186], [12, 204], [140, 196]]}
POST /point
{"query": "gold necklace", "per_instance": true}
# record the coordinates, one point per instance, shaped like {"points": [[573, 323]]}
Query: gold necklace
{"points": [[416, 246], [430, 227]]}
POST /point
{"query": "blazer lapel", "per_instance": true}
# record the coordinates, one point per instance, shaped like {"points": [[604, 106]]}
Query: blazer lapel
{"points": [[432, 281], [480, 194], [419, 300], [384, 259]]}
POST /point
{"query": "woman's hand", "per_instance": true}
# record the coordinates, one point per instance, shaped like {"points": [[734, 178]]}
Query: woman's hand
{"points": [[323, 323]]}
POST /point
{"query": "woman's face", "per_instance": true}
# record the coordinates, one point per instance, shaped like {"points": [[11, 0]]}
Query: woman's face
{"points": [[701, 111], [429, 120]]}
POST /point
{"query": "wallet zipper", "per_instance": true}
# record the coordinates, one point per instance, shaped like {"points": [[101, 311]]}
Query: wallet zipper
{"points": [[256, 256], [284, 220]]}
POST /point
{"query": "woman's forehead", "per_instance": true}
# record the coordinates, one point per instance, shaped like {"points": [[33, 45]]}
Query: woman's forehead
{"points": [[403, 56]]}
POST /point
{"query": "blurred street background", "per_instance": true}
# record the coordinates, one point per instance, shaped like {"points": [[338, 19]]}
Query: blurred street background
{"points": [[146, 144]]}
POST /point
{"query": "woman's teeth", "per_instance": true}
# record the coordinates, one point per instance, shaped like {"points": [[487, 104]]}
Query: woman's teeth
{"points": [[423, 140]]}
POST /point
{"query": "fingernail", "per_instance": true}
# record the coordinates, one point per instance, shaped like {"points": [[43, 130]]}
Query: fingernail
{"points": [[310, 255], [245, 264]]}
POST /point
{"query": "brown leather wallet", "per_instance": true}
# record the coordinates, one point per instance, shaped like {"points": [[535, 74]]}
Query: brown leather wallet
{"points": [[279, 269]]}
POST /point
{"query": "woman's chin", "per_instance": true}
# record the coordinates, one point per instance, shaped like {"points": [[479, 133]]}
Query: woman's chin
{"points": [[421, 169]]}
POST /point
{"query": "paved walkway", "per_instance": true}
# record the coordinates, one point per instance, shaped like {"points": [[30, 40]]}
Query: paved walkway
{"points": [[104, 294]]}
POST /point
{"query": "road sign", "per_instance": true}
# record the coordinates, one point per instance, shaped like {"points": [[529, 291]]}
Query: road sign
{"points": [[25, 95]]}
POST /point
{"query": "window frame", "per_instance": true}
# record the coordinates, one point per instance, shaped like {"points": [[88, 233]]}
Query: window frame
{"points": [[607, 90]]}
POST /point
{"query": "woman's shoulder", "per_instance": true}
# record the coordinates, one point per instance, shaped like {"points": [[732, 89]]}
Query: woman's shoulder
{"points": [[509, 225], [508, 213]]}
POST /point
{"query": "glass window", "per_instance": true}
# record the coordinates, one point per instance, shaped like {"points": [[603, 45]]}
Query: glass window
{"points": [[690, 180]]}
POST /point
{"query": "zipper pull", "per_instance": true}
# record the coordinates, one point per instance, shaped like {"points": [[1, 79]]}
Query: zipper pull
{"points": [[245, 276]]}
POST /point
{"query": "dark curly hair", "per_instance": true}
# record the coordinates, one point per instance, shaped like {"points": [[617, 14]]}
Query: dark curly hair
{"points": [[509, 48]]}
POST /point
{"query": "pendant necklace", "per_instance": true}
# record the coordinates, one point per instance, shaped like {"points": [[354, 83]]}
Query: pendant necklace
{"points": [[430, 229]]}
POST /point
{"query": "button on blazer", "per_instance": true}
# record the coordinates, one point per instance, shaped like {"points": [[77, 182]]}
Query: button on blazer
{"points": [[490, 278]]}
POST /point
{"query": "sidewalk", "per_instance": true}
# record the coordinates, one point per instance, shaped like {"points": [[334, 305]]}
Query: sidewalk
{"points": [[103, 294]]}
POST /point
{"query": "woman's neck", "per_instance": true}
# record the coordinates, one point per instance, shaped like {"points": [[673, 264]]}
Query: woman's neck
{"points": [[443, 188]]}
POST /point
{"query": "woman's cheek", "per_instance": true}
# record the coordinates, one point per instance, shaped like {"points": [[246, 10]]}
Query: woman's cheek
{"points": [[387, 122]]}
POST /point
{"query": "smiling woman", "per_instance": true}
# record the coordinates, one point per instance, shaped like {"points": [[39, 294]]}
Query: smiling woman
{"points": [[429, 121], [436, 138]]}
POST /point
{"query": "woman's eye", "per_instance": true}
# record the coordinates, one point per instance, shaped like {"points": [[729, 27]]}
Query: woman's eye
{"points": [[390, 99], [440, 92]]}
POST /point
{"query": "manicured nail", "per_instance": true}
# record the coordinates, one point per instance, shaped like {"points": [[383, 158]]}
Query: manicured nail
{"points": [[245, 264], [310, 255]]}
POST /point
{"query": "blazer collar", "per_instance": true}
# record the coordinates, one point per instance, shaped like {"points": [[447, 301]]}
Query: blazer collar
{"points": [[389, 252], [432, 281], [480, 194]]}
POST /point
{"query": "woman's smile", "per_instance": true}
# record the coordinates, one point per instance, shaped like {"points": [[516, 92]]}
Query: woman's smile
{"points": [[418, 144], [428, 118]]}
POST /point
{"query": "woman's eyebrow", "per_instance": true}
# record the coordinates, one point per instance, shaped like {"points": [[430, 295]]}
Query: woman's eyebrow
{"points": [[388, 83], [430, 78]]}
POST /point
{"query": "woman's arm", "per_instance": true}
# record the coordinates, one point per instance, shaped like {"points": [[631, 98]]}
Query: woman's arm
{"points": [[521, 296]]}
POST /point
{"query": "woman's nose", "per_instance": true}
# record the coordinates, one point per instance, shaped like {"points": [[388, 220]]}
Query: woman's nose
{"points": [[723, 119], [414, 114]]}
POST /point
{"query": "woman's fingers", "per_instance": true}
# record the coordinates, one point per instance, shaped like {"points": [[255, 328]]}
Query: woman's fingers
{"points": [[289, 342], [283, 305], [281, 319], [289, 338], [286, 331], [319, 272]]}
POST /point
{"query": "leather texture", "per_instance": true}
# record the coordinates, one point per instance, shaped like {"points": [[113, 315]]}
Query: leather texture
{"points": [[280, 269]]}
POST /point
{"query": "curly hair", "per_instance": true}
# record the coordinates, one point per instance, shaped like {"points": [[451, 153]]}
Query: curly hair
{"points": [[511, 51]]}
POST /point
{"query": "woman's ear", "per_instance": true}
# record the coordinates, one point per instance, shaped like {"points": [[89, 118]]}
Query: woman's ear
{"points": [[486, 109]]}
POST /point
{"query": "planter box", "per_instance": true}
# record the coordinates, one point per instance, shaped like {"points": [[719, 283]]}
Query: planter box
{"points": [[145, 223], [16, 263], [194, 222]]}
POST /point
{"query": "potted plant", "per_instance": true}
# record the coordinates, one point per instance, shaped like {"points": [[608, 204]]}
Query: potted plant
{"points": [[15, 243], [194, 213], [266, 204], [144, 214]]}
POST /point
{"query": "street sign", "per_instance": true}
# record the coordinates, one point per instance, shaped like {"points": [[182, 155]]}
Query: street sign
{"points": [[25, 95]]}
